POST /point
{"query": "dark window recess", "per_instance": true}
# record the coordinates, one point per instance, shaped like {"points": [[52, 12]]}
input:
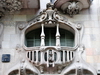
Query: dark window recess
{"points": [[65, 55], [39, 56], [55, 56], [31, 55], [28, 54], [45, 56], [6, 58], [34, 55], [61, 55], [33, 37]]}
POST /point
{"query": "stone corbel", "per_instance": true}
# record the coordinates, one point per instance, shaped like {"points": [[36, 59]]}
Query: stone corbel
{"points": [[72, 7]]}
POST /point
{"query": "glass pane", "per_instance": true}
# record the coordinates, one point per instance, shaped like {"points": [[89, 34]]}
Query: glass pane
{"points": [[62, 39], [69, 42], [53, 42], [33, 38], [37, 42], [66, 38], [50, 39], [47, 42], [30, 42]]}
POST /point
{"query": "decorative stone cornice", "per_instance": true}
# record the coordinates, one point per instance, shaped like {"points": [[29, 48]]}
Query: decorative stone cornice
{"points": [[72, 7]]}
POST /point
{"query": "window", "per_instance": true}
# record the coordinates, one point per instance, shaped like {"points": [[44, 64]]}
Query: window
{"points": [[66, 38], [33, 37], [50, 38], [52, 1]]}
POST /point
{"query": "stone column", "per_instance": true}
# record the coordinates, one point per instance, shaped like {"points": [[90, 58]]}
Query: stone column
{"points": [[57, 36], [42, 35]]}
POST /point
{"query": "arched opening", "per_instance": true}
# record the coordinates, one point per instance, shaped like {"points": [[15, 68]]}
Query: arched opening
{"points": [[86, 72], [82, 72], [33, 37], [72, 72], [15, 72], [29, 72]]}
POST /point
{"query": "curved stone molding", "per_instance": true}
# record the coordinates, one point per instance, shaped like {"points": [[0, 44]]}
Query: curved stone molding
{"points": [[22, 67], [72, 7], [79, 64]]}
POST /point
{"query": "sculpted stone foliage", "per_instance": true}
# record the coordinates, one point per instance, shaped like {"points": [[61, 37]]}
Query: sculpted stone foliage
{"points": [[9, 6], [71, 7], [1, 12]]}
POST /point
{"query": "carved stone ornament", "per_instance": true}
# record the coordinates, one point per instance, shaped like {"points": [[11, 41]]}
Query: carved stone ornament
{"points": [[21, 26], [78, 26], [1, 13], [9, 6], [72, 7]]}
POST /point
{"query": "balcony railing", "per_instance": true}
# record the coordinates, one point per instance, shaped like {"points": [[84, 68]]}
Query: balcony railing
{"points": [[50, 57]]}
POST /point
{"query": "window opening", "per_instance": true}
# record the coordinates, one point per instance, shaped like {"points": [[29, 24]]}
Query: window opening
{"points": [[33, 37]]}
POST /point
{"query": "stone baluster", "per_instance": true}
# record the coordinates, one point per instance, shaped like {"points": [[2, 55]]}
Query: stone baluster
{"points": [[42, 36], [71, 55], [53, 57], [42, 57], [36, 56], [57, 36], [67, 56], [63, 56], [32, 56], [47, 58], [58, 57]]}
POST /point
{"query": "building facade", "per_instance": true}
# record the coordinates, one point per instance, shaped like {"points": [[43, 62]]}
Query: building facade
{"points": [[49, 37]]}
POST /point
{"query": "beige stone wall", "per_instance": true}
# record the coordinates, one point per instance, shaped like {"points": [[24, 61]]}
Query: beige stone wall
{"points": [[90, 18]]}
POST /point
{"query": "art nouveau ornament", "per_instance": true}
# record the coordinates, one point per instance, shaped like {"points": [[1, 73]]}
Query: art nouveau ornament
{"points": [[9, 6], [72, 7], [56, 59]]}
